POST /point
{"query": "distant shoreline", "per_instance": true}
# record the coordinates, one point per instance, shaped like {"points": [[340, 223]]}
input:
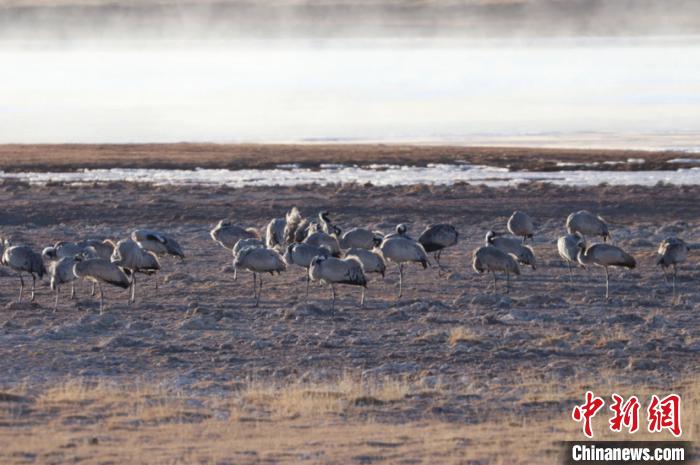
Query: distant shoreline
{"points": [[72, 157]]}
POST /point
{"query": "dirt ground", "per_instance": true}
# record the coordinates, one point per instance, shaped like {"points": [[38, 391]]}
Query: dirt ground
{"points": [[494, 377], [241, 156]]}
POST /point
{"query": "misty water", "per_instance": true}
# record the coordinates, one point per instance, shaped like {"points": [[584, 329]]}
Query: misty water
{"points": [[595, 92]]}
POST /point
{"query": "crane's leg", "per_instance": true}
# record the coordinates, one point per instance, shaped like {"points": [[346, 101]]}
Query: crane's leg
{"points": [[102, 298], [55, 302], [333, 298], [441, 267], [362, 299], [33, 287], [255, 286], [132, 298], [72, 290], [92, 293], [308, 279], [257, 302], [571, 274], [400, 280], [21, 288], [607, 283], [235, 272], [674, 282]]}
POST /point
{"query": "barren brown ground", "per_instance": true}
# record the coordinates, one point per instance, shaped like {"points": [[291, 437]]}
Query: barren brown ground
{"points": [[68, 157], [448, 374]]}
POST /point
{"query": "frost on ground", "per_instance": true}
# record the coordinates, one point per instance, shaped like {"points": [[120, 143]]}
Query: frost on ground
{"points": [[450, 373]]}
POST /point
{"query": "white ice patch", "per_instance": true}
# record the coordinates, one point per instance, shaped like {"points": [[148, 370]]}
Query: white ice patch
{"points": [[685, 161], [380, 175], [630, 161]]}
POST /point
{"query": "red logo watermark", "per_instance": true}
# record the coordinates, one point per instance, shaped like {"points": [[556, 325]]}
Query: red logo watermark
{"points": [[662, 414]]}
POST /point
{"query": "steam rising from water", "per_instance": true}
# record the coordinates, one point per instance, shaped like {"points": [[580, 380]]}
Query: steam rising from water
{"points": [[643, 93]]}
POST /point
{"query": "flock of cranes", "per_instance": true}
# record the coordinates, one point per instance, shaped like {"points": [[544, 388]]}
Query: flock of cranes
{"points": [[97, 261], [326, 253]]}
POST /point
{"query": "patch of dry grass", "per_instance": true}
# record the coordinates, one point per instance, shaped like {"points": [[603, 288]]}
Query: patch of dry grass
{"points": [[464, 334], [316, 422], [312, 399]]}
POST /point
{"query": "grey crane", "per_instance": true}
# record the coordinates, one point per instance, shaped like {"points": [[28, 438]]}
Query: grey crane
{"points": [[158, 242], [520, 224], [93, 247], [259, 260], [242, 244], [128, 254], [489, 259], [604, 255], [227, 234], [62, 249], [568, 246], [249, 242], [437, 237], [401, 249], [274, 233], [323, 224], [401, 230], [297, 227], [22, 259], [99, 270], [372, 260], [513, 246], [301, 254], [360, 238], [672, 252], [323, 239], [587, 224], [61, 272], [96, 248], [332, 271], [103, 248]]}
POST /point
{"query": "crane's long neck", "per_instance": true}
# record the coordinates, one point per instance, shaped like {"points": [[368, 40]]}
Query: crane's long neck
{"points": [[583, 257]]}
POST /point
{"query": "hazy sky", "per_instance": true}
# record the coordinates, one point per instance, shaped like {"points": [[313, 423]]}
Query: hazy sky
{"points": [[231, 91], [152, 71]]}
